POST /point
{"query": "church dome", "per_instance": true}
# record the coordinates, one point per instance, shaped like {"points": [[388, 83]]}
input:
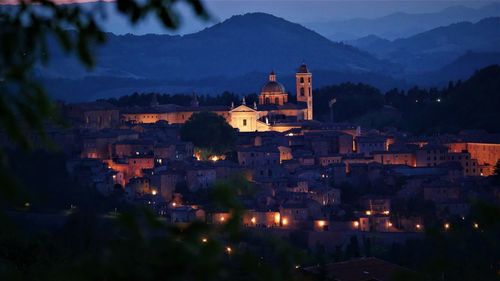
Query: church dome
{"points": [[273, 87]]}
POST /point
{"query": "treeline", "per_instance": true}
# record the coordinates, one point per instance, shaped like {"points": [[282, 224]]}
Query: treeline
{"points": [[471, 104], [145, 99]]}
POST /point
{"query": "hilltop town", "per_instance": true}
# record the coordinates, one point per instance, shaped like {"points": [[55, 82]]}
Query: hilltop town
{"points": [[331, 181]]}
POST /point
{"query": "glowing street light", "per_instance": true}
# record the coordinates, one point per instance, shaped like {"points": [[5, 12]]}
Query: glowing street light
{"points": [[253, 220], [355, 224], [446, 226], [154, 192], [476, 225], [204, 240], [229, 250], [368, 213]]}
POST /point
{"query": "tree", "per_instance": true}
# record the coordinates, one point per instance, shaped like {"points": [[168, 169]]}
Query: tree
{"points": [[210, 132], [496, 173], [29, 32]]}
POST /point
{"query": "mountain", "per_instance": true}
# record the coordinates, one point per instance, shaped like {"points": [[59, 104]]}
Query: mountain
{"points": [[400, 25], [243, 44], [460, 69], [370, 43], [95, 87], [433, 49]]}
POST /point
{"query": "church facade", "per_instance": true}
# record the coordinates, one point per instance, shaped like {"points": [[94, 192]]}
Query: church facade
{"points": [[272, 113]]}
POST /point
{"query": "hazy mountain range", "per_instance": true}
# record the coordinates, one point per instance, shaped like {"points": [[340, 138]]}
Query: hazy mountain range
{"points": [[237, 54], [399, 25], [239, 45], [433, 49]]}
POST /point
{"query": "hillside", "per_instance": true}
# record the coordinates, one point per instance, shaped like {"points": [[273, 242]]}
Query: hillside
{"points": [[433, 49], [401, 25], [460, 69], [240, 45]]}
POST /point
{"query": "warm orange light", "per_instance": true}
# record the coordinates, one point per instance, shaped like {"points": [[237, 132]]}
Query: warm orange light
{"points": [[253, 220], [321, 223], [154, 192], [389, 224], [277, 218], [386, 212], [222, 219], [368, 213], [204, 240], [476, 225], [446, 226], [356, 223], [418, 226], [174, 204], [284, 221], [229, 250]]}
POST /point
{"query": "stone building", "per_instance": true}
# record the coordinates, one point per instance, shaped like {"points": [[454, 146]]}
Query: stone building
{"points": [[273, 113]]}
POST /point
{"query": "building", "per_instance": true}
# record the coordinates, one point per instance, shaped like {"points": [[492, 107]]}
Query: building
{"points": [[273, 113]]}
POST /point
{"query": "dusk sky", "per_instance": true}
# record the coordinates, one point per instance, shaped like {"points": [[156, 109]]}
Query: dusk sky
{"points": [[311, 11], [296, 11]]}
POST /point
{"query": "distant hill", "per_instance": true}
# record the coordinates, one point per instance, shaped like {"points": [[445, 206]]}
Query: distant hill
{"points": [[371, 43], [240, 45], [460, 69], [433, 49], [400, 25], [96, 87]]}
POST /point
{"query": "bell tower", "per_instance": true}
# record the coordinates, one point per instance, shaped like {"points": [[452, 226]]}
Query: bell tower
{"points": [[303, 81]]}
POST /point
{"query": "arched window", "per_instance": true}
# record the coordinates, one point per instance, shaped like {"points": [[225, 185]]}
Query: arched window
{"points": [[302, 92], [276, 100], [301, 79], [309, 79], [267, 101]]}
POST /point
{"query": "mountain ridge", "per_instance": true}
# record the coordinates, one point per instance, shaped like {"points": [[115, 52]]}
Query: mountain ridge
{"points": [[250, 42], [401, 24]]}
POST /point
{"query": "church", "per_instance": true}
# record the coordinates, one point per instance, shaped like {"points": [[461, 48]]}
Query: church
{"points": [[272, 113]]}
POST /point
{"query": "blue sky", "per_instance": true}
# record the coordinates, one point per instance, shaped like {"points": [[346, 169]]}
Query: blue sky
{"points": [[297, 11]]}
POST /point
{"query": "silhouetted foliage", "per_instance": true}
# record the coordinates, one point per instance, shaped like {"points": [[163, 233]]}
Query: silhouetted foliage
{"points": [[471, 104], [209, 131], [144, 99], [353, 100]]}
